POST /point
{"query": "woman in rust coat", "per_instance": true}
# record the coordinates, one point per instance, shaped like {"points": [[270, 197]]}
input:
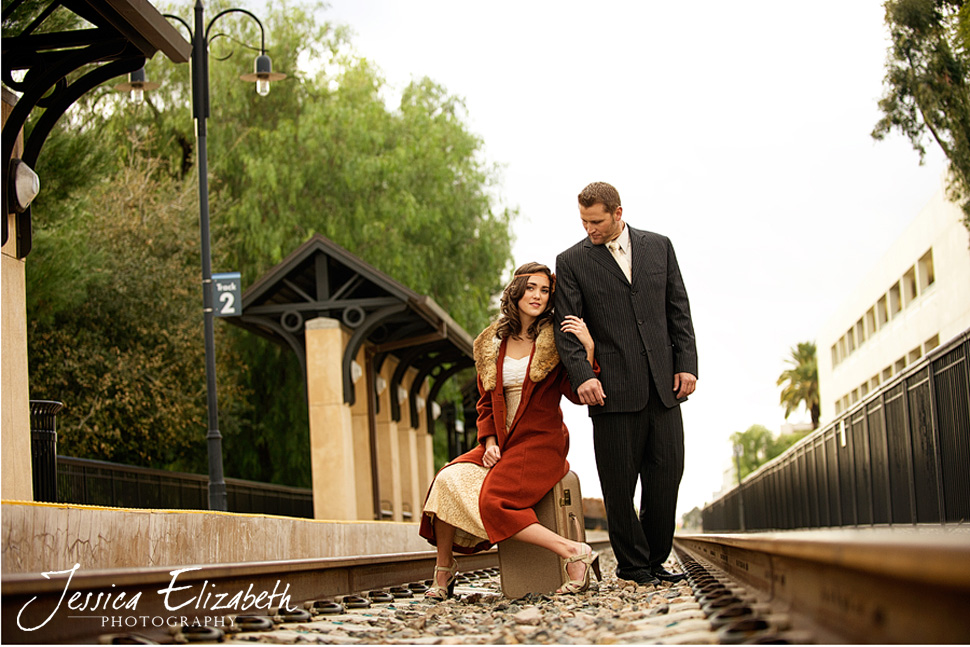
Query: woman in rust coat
{"points": [[487, 495]]}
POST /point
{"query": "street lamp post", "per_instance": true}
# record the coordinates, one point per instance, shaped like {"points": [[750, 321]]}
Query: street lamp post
{"points": [[262, 75]]}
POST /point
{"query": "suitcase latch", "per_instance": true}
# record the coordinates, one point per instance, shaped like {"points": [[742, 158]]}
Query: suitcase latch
{"points": [[566, 499]]}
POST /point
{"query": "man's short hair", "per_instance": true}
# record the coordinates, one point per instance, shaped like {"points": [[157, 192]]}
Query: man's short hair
{"points": [[600, 193]]}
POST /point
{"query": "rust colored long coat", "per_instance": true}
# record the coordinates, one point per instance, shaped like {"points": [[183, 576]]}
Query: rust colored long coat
{"points": [[533, 448]]}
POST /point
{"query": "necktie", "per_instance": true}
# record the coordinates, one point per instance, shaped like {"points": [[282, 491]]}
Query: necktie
{"points": [[619, 254]]}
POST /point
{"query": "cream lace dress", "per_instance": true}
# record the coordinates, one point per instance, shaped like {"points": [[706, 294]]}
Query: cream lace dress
{"points": [[454, 494]]}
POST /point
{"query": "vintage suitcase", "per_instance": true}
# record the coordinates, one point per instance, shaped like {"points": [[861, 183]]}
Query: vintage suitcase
{"points": [[525, 568]]}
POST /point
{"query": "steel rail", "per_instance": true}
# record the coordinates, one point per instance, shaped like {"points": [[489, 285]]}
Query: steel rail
{"points": [[38, 608], [851, 586]]}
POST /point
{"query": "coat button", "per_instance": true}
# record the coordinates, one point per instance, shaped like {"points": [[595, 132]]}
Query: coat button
{"points": [[639, 322]]}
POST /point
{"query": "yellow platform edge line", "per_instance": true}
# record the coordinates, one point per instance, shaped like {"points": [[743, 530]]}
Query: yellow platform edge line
{"points": [[81, 506]]}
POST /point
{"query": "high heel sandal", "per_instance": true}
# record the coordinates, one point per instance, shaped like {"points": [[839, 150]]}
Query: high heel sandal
{"points": [[592, 561], [438, 592]]}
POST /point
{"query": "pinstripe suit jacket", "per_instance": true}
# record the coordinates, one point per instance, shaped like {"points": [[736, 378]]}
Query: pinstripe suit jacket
{"points": [[642, 329]]}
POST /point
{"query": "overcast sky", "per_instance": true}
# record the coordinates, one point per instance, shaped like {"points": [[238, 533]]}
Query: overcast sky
{"points": [[738, 129]]}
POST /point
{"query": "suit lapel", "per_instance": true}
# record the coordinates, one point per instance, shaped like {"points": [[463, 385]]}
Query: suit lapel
{"points": [[602, 255]]}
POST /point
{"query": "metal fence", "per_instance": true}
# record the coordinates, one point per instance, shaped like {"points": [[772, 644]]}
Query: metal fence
{"points": [[92, 482], [901, 456]]}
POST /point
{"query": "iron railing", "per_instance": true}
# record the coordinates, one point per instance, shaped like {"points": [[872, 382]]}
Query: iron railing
{"points": [[901, 456], [91, 482]]}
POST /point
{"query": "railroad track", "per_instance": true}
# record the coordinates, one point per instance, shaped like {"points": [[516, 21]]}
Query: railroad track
{"points": [[837, 586], [847, 586], [39, 609]]}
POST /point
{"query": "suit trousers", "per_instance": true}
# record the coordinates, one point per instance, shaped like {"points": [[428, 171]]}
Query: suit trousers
{"points": [[647, 445]]}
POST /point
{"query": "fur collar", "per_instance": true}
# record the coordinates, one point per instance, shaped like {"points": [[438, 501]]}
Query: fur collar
{"points": [[487, 346]]}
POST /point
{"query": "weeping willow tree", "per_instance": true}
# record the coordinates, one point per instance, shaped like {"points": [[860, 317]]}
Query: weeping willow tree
{"points": [[113, 284]]}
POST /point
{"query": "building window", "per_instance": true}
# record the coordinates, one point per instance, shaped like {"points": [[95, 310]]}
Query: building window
{"points": [[887, 373], [915, 354], [895, 302], [845, 402], [835, 354], [909, 286], [871, 322], [931, 343], [860, 332], [855, 395], [838, 407], [900, 364], [874, 383], [927, 275], [864, 389], [850, 340], [882, 311]]}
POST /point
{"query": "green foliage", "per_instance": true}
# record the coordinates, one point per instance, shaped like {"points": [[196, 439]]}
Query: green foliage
{"points": [[928, 83], [692, 521], [758, 445], [60, 19], [403, 187], [113, 297], [800, 382]]}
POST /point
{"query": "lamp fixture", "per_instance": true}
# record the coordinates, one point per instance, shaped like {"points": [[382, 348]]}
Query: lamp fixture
{"points": [[262, 74], [23, 185], [137, 84]]}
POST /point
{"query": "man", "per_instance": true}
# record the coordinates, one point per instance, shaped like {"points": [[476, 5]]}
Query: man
{"points": [[626, 284]]}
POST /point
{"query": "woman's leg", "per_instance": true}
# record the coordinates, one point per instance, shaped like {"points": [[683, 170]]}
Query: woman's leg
{"points": [[541, 536], [444, 534]]}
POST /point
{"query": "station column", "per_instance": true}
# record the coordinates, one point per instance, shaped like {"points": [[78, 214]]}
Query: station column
{"points": [[17, 483], [331, 423]]}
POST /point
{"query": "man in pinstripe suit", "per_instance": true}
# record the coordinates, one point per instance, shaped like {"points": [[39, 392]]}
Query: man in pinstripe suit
{"points": [[626, 285]]}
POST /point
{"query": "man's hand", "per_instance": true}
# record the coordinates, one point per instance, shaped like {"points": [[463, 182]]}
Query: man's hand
{"points": [[591, 392], [684, 384]]}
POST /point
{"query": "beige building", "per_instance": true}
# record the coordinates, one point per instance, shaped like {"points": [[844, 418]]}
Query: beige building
{"points": [[915, 298]]}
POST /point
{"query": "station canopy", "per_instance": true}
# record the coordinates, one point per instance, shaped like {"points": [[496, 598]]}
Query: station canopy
{"points": [[322, 279]]}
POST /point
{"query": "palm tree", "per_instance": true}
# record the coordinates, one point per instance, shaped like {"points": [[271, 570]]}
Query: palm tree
{"points": [[801, 381]]}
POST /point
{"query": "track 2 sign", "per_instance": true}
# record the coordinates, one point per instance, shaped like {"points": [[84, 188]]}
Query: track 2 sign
{"points": [[227, 294]]}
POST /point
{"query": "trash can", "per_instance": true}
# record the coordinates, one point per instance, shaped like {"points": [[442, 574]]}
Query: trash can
{"points": [[43, 448]]}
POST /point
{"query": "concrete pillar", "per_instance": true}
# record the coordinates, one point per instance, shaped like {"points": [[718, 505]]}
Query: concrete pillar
{"points": [[407, 444], [388, 448], [361, 431], [17, 483], [331, 423], [425, 449]]}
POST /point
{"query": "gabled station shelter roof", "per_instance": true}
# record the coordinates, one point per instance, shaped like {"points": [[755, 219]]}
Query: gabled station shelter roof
{"points": [[322, 279]]}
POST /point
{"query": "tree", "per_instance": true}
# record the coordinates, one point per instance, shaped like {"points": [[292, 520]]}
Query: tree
{"points": [[801, 382], [758, 445], [928, 83], [113, 298], [692, 521], [751, 449], [404, 187]]}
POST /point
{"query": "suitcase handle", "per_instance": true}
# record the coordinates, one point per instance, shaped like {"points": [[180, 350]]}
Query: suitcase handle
{"points": [[574, 527]]}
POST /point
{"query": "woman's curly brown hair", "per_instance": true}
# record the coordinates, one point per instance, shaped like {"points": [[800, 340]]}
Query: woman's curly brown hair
{"points": [[509, 324]]}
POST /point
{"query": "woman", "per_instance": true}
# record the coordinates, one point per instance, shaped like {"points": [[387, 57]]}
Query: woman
{"points": [[488, 494]]}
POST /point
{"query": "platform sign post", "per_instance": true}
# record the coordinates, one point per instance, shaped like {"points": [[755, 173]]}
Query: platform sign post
{"points": [[227, 294]]}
